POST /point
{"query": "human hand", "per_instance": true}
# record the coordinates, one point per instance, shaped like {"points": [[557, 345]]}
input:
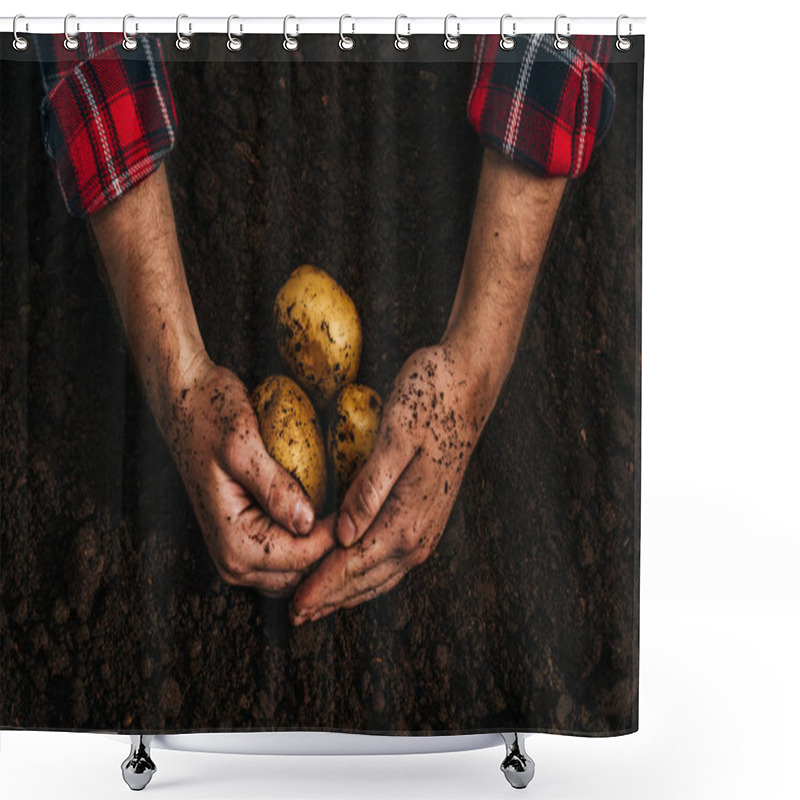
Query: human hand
{"points": [[395, 512], [257, 522]]}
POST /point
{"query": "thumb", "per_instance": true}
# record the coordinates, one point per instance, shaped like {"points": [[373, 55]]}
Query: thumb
{"points": [[276, 491], [373, 484]]}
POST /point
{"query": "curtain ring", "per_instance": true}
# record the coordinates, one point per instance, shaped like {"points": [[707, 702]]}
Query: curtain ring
{"points": [[182, 42], [289, 42], [451, 42], [70, 42], [128, 42], [401, 42], [560, 42], [507, 42], [346, 42], [20, 42], [623, 43], [234, 43]]}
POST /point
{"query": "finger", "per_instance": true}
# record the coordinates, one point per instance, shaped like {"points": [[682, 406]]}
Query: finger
{"points": [[276, 550], [369, 594], [345, 572], [276, 491], [274, 584], [381, 579], [371, 488]]}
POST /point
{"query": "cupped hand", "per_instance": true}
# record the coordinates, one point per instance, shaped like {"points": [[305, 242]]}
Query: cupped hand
{"points": [[257, 521], [395, 512]]}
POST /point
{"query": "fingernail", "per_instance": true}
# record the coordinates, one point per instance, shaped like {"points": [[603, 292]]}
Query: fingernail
{"points": [[302, 516], [345, 529]]}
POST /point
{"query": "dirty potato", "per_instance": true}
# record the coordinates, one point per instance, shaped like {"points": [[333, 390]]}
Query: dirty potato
{"points": [[318, 333], [291, 432], [352, 431]]}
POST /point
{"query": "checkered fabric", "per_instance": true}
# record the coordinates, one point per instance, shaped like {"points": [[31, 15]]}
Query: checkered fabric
{"points": [[108, 116], [543, 108]]}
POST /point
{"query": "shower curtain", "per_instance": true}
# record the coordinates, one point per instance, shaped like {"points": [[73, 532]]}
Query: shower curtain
{"points": [[320, 385]]}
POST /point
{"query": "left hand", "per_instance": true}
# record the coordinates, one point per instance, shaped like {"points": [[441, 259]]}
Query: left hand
{"points": [[395, 512]]}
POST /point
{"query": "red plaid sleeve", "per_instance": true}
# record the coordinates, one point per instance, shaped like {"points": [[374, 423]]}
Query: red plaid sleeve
{"points": [[108, 116], [544, 108]]}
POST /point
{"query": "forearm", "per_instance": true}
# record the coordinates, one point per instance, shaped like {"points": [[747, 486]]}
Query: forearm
{"points": [[514, 212], [139, 245]]}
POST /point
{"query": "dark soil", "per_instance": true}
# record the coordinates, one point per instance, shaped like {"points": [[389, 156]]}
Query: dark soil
{"points": [[525, 617]]}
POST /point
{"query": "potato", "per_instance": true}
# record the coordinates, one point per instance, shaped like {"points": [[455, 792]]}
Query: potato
{"points": [[291, 432], [352, 432], [318, 333]]}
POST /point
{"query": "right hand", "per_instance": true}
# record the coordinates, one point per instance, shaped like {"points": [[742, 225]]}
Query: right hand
{"points": [[257, 521]]}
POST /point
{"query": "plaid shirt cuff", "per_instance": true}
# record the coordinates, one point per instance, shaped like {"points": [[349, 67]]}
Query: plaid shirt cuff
{"points": [[108, 116], [546, 110]]}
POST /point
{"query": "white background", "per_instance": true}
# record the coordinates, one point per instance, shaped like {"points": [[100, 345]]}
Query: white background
{"points": [[719, 701]]}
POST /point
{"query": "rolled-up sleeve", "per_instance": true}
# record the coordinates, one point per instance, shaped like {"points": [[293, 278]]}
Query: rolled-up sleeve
{"points": [[543, 108], [108, 117]]}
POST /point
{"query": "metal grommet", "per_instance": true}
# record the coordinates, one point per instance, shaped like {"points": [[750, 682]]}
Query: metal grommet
{"points": [[507, 42], [182, 42], [346, 42], [561, 43], [401, 42], [451, 42], [70, 42], [289, 42], [128, 42], [234, 43], [20, 42], [623, 44]]}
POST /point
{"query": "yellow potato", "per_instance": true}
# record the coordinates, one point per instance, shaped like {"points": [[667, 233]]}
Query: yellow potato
{"points": [[318, 333], [351, 435], [291, 432]]}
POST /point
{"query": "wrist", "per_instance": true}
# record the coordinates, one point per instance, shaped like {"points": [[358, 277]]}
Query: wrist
{"points": [[485, 363], [189, 365], [168, 373]]}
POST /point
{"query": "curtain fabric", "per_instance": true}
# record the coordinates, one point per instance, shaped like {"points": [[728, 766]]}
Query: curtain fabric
{"points": [[492, 381]]}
